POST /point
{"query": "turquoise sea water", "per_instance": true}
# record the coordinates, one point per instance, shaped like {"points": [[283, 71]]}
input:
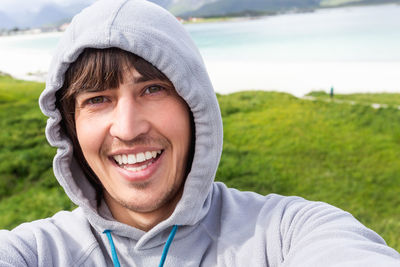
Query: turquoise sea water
{"points": [[344, 34], [270, 52]]}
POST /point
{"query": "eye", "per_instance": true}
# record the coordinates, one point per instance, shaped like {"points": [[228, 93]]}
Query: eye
{"points": [[96, 100], [153, 89]]}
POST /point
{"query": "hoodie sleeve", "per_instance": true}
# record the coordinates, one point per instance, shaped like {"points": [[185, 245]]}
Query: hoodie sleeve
{"points": [[317, 234], [17, 249], [65, 239], [33, 244]]}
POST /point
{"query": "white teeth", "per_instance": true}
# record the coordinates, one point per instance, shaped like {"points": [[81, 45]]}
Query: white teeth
{"points": [[124, 159], [136, 169], [118, 158], [148, 155], [140, 157], [131, 159], [135, 158]]}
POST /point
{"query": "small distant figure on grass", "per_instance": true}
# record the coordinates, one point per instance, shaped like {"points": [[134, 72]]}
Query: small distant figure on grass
{"points": [[331, 93]]}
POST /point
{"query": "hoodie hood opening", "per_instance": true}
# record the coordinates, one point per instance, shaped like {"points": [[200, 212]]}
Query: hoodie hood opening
{"points": [[150, 32]]}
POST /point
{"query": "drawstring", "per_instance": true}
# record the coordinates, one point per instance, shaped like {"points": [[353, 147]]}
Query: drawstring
{"points": [[167, 244], [164, 253], [113, 251]]}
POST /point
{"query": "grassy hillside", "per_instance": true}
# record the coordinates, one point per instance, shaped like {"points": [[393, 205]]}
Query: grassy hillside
{"points": [[27, 188], [347, 155]]}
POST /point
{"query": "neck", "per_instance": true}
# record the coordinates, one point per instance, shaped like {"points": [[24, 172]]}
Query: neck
{"points": [[144, 221]]}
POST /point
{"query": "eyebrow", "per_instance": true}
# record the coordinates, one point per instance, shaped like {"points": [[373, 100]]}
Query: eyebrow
{"points": [[93, 90]]}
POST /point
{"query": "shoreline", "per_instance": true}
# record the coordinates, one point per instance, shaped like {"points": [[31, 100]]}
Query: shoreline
{"points": [[295, 78], [253, 14]]}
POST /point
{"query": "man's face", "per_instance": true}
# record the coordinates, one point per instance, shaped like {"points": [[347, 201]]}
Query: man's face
{"points": [[136, 139]]}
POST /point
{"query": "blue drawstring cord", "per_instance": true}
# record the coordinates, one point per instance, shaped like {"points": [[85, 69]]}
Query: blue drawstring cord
{"points": [[164, 253], [167, 244], [113, 251]]}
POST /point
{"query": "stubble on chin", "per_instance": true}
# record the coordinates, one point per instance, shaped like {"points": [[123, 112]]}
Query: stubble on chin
{"points": [[167, 198]]}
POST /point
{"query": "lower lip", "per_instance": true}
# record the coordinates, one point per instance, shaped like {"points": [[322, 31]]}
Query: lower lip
{"points": [[142, 175]]}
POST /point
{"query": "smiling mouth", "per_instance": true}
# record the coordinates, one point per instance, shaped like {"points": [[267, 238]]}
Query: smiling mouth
{"points": [[137, 162]]}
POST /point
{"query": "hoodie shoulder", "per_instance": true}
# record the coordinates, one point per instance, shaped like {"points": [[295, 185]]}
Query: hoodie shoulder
{"points": [[275, 230], [66, 239]]}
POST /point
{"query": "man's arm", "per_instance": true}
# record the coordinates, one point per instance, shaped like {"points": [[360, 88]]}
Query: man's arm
{"points": [[318, 234], [17, 249], [66, 239]]}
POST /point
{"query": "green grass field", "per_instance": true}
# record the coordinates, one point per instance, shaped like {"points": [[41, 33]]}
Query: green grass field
{"points": [[343, 154], [389, 99], [346, 155], [28, 189]]}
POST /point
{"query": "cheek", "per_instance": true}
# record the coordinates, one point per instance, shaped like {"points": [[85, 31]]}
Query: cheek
{"points": [[177, 126], [89, 134]]}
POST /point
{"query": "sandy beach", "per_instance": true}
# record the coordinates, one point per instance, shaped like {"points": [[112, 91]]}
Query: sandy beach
{"points": [[30, 62], [300, 78]]}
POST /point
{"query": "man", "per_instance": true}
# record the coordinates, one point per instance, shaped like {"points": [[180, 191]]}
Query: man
{"points": [[139, 137]]}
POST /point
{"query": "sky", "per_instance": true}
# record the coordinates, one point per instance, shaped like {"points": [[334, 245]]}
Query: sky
{"points": [[34, 5]]}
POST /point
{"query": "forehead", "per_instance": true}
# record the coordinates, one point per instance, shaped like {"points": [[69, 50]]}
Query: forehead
{"points": [[130, 76], [101, 69]]}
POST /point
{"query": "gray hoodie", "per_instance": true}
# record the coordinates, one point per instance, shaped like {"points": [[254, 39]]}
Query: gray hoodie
{"points": [[218, 226]]}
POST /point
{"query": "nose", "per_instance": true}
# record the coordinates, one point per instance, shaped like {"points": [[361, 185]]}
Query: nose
{"points": [[129, 120]]}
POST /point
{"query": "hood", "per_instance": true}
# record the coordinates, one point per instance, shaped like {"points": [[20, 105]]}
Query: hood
{"points": [[152, 33]]}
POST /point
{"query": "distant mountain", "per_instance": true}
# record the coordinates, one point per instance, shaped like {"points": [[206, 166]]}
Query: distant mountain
{"points": [[181, 7], [53, 14], [227, 7], [206, 8], [49, 14], [164, 3]]}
